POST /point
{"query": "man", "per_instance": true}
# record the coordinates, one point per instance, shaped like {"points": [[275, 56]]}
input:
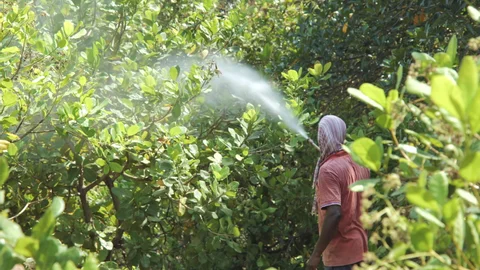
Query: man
{"points": [[343, 241]]}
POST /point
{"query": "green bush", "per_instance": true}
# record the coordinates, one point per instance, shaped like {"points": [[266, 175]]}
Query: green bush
{"points": [[422, 207]]}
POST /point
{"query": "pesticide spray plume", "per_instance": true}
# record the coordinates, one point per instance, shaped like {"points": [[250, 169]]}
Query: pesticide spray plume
{"points": [[248, 85], [236, 81]]}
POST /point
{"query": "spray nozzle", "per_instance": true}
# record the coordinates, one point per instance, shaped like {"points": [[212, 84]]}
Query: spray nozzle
{"points": [[313, 143]]}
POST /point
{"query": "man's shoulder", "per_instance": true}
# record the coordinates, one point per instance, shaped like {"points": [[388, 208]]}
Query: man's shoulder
{"points": [[336, 162]]}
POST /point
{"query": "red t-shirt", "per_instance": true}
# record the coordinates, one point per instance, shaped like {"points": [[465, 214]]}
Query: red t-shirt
{"points": [[350, 243]]}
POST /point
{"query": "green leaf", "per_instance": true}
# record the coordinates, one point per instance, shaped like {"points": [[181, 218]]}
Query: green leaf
{"points": [[108, 245], [438, 187], [90, 263], [9, 99], [45, 226], [391, 99], [234, 246], [474, 113], [422, 57], [445, 94], [375, 93], [469, 167], [181, 206], [421, 197], [12, 50], [11, 230], [417, 88], [459, 229], [12, 149], [4, 170], [361, 185], [384, 121], [236, 231], [82, 80], [132, 130], [100, 162], [474, 13], [68, 27], [364, 98], [177, 130], [428, 216], [398, 250], [422, 237], [79, 34], [367, 153], [176, 111], [468, 79], [197, 194], [443, 60], [399, 76], [452, 48], [467, 196], [115, 167], [293, 75], [327, 67], [312, 72], [174, 71], [7, 261], [219, 172], [451, 210], [57, 207], [317, 69], [27, 246]]}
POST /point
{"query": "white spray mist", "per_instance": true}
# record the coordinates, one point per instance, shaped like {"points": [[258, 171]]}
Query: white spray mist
{"points": [[248, 85]]}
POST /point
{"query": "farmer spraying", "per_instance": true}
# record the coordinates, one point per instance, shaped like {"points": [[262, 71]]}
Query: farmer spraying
{"points": [[342, 241]]}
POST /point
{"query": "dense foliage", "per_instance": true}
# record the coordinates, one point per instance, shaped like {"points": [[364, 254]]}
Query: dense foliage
{"points": [[117, 161]]}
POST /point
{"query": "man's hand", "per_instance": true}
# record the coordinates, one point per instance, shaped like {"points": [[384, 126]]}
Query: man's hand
{"points": [[313, 262]]}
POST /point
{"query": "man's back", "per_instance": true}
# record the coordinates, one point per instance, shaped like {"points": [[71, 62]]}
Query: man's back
{"points": [[337, 173]]}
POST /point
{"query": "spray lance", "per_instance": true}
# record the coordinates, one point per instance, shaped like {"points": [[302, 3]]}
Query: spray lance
{"points": [[313, 143]]}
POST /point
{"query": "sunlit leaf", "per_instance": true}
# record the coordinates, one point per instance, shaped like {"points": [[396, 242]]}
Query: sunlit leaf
{"points": [[469, 167], [9, 99], [132, 130], [375, 93], [422, 237], [79, 34], [11, 230], [417, 88], [467, 196], [452, 48], [27, 246], [68, 27], [367, 153], [422, 57], [468, 79], [177, 130], [362, 97], [421, 198], [361, 185], [4, 170], [474, 13], [181, 206], [445, 95], [438, 187], [428, 216]]}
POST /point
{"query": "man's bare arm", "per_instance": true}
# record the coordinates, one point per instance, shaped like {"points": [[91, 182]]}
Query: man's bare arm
{"points": [[329, 229]]}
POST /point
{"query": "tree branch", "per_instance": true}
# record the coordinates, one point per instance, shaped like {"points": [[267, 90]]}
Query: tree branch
{"points": [[21, 59]]}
